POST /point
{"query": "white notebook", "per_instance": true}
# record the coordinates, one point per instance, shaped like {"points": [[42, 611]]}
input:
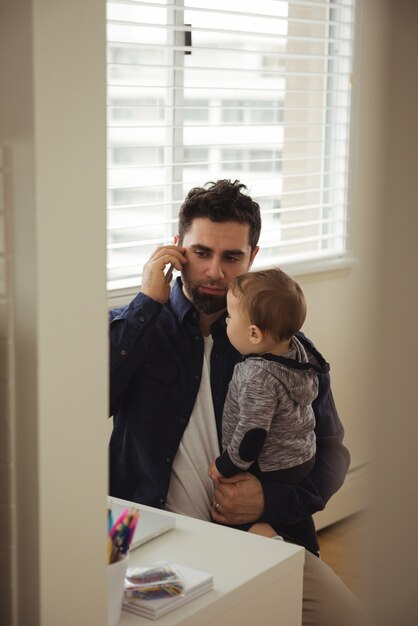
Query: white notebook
{"points": [[195, 583], [150, 524]]}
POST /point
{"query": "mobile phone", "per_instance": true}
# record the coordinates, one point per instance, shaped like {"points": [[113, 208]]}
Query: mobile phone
{"points": [[169, 272]]}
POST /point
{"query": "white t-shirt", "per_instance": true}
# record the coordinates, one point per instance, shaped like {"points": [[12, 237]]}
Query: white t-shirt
{"points": [[191, 489]]}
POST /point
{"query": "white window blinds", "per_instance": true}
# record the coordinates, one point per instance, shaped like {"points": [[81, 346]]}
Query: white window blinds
{"points": [[200, 90]]}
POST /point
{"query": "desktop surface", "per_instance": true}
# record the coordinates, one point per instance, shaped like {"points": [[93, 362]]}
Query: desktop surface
{"points": [[256, 580]]}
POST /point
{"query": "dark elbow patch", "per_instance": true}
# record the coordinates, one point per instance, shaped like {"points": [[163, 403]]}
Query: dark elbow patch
{"points": [[252, 443]]}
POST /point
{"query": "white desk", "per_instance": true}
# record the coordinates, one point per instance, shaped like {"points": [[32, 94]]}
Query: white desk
{"points": [[257, 581]]}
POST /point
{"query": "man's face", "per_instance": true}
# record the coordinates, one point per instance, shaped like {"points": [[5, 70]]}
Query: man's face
{"points": [[216, 253]]}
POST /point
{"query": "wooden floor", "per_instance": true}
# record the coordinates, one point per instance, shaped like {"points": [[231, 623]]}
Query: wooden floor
{"points": [[342, 548]]}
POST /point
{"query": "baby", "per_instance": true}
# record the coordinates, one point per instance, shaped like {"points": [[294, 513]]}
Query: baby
{"points": [[268, 421]]}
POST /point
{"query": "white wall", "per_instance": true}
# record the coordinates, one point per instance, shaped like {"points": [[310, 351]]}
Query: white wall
{"points": [[52, 130], [393, 539], [343, 305]]}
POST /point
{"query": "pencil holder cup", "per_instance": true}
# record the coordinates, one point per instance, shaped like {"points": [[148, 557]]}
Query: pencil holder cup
{"points": [[115, 584]]}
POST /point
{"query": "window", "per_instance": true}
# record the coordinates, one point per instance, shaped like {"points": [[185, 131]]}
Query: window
{"points": [[254, 160], [202, 89]]}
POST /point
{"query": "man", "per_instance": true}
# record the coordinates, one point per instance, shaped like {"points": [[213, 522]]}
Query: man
{"points": [[171, 364]]}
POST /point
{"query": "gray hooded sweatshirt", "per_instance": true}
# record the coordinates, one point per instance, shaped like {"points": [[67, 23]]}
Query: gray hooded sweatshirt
{"points": [[268, 415]]}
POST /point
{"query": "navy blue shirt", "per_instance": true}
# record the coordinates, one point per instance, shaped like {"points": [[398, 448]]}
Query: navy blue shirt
{"points": [[156, 358]]}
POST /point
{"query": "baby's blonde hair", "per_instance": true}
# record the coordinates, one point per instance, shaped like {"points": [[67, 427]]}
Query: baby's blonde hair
{"points": [[272, 300]]}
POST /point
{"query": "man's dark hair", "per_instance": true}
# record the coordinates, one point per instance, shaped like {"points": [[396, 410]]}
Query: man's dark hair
{"points": [[223, 201]]}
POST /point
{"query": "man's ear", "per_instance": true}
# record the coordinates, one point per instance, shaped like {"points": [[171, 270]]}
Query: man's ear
{"points": [[256, 335], [176, 239], [253, 255]]}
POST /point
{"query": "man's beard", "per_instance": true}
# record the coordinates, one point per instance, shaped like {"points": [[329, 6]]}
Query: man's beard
{"points": [[204, 302]]}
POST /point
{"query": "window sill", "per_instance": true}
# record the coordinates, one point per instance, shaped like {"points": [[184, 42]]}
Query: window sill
{"points": [[322, 267]]}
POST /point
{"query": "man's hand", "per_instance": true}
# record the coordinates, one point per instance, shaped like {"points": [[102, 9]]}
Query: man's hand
{"points": [[154, 283], [238, 500], [214, 473]]}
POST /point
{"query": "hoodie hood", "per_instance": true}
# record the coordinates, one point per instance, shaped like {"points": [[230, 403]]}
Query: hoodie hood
{"points": [[296, 369]]}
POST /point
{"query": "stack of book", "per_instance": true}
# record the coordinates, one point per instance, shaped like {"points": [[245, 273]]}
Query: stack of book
{"points": [[193, 583]]}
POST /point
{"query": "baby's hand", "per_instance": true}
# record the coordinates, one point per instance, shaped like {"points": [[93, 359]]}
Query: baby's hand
{"points": [[213, 472]]}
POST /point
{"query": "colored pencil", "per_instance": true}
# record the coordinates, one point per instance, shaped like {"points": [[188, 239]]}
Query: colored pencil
{"points": [[121, 534]]}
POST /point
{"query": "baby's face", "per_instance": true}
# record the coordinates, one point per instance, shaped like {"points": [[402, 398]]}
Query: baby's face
{"points": [[238, 325]]}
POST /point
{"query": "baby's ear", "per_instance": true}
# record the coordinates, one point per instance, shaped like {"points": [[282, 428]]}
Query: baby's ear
{"points": [[256, 335]]}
